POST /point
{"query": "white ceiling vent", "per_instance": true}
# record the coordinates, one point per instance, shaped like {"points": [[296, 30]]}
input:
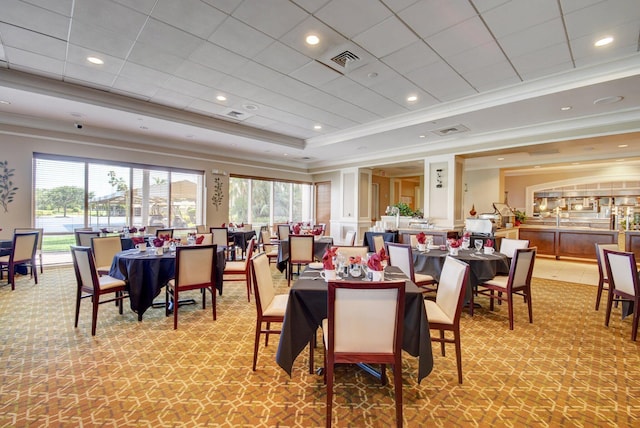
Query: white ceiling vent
{"points": [[345, 58], [235, 114], [450, 130]]}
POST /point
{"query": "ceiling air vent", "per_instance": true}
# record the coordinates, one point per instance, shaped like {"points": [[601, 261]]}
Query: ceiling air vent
{"points": [[344, 58], [235, 114], [450, 130]]}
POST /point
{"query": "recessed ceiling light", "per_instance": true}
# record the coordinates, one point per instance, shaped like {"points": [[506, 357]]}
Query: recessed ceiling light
{"points": [[609, 100], [372, 75], [622, 146], [312, 39], [412, 98], [423, 136], [286, 154], [317, 127], [221, 98], [5, 102], [500, 159], [603, 41], [565, 108], [95, 60]]}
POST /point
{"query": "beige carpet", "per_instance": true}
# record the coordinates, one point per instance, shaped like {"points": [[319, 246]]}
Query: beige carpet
{"points": [[565, 369]]}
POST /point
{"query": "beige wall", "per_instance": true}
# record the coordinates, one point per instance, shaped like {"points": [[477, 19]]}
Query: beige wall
{"points": [[384, 195], [18, 146]]}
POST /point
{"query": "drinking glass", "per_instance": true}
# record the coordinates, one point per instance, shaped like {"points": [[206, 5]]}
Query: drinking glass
{"points": [[478, 244]]}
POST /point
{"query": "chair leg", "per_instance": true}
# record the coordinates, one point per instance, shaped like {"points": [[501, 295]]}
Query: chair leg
{"points": [[213, 302], [329, 377], [456, 339], [78, 298], [312, 345], [442, 343], [599, 295], [175, 308], [266, 334], [636, 319], [510, 304], [256, 342], [397, 380], [528, 297], [94, 313], [607, 315], [41, 271]]}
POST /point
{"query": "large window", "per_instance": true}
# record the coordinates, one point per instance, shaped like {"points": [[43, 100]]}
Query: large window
{"points": [[71, 193], [264, 202]]}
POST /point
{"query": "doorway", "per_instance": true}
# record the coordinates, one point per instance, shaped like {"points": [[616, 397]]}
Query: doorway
{"points": [[323, 205]]}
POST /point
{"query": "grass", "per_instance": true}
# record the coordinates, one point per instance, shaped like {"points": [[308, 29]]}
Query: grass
{"points": [[57, 243]]}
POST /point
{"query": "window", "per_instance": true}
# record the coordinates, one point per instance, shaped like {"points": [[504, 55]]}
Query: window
{"points": [[270, 202]]}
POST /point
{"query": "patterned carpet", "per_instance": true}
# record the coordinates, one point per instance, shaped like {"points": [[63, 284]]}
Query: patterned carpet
{"points": [[565, 369]]}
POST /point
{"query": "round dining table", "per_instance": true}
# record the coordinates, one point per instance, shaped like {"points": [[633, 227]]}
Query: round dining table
{"points": [[482, 267]]}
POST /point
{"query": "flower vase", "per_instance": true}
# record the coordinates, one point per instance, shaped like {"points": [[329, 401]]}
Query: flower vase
{"points": [[422, 247], [377, 275], [159, 251], [453, 251]]}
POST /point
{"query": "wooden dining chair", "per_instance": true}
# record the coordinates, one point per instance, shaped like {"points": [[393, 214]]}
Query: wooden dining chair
{"points": [[83, 237], [270, 307], [104, 249], [284, 230], [268, 247], [444, 313], [401, 255], [364, 324], [508, 246], [40, 230], [300, 253], [238, 270], [502, 288], [92, 286], [165, 234], [195, 270], [222, 239], [23, 252], [624, 285], [378, 243], [603, 279]]}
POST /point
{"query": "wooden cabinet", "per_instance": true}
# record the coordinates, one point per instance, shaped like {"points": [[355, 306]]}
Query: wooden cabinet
{"points": [[566, 242]]}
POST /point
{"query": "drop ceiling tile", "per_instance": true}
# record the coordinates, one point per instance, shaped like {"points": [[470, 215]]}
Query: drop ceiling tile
{"points": [[144, 6], [533, 38], [377, 41], [282, 58], [484, 5], [78, 55], [30, 17], [549, 57], [171, 98], [399, 5], [186, 87], [258, 74], [625, 43], [542, 70], [462, 37], [601, 18], [479, 57], [492, 76], [62, 7], [217, 58], [273, 17], [198, 73], [140, 89], [150, 56], [351, 17], [207, 107], [112, 16], [429, 18], [412, 57], [311, 6], [169, 39], [569, 6], [373, 73], [233, 85], [34, 63], [143, 74], [191, 16], [38, 43], [89, 76], [441, 82], [514, 16], [227, 6], [376, 103], [329, 38], [290, 87], [240, 38], [341, 108], [315, 74], [399, 88], [100, 40]]}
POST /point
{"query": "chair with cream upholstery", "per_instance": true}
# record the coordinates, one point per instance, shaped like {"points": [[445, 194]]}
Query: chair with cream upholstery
{"points": [[624, 285], [201, 228], [221, 239], [350, 238], [518, 282], [151, 230], [40, 230], [400, 255], [378, 243], [83, 237], [195, 270], [509, 246], [269, 305], [270, 248], [300, 253], [165, 234], [92, 286], [23, 252], [364, 324], [104, 249], [238, 270], [444, 313], [602, 270], [284, 230]]}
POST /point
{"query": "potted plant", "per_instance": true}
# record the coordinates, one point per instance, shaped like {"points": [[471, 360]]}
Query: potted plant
{"points": [[520, 217]]}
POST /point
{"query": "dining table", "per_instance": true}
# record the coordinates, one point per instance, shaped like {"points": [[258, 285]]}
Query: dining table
{"points": [[482, 267], [386, 237], [307, 307], [320, 246], [241, 239], [147, 273]]}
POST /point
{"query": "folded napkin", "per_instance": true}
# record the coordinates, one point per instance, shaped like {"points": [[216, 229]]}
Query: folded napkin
{"points": [[199, 239], [157, 242], [132, 230], [142, 229], [375, 262], [422, 238], [327, 259], [296, 229]]}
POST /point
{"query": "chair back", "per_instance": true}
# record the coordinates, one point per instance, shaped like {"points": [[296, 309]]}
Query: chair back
{"points": [[207, 238], [301, 248], [413, 240], [602, 270], [319, 227], [195, 265], [263, 288], [521, 267], [201, 228], [105, 248], [24, 246], [350, 238], [283, 231], [352, 251], [509, 246], [83, 237], [151, 230], [32, 229], [400, 255], [451, 288], [164, 234], [85, 268], [220, 236], [365, 317], [378, 243], [622, 272]]}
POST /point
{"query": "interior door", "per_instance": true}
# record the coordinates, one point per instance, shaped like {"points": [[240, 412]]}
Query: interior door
{"points": [[323, 204]]}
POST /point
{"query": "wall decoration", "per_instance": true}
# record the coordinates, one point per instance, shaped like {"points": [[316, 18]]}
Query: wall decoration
{"points": [[7, 189], [218, 194], [439, 184]]}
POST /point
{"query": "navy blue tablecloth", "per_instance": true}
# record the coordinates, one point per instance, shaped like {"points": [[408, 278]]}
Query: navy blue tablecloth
{"points": [[386, 236]]}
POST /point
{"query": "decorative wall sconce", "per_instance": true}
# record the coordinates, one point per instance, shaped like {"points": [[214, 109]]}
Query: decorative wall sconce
{"points": [[439, 184]]}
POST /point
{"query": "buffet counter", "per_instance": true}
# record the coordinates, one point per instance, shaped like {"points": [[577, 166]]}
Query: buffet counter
{"points": [[565, 241]]}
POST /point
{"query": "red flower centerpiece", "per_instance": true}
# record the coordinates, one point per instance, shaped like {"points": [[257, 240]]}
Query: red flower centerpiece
{"points": [[158, 243], [488, 247], [329, 272], [454, 246], [422, 241], [376, 268]]}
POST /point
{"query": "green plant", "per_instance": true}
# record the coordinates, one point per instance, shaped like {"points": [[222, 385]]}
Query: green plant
{"points": [[520, 215], [405, 210]]}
